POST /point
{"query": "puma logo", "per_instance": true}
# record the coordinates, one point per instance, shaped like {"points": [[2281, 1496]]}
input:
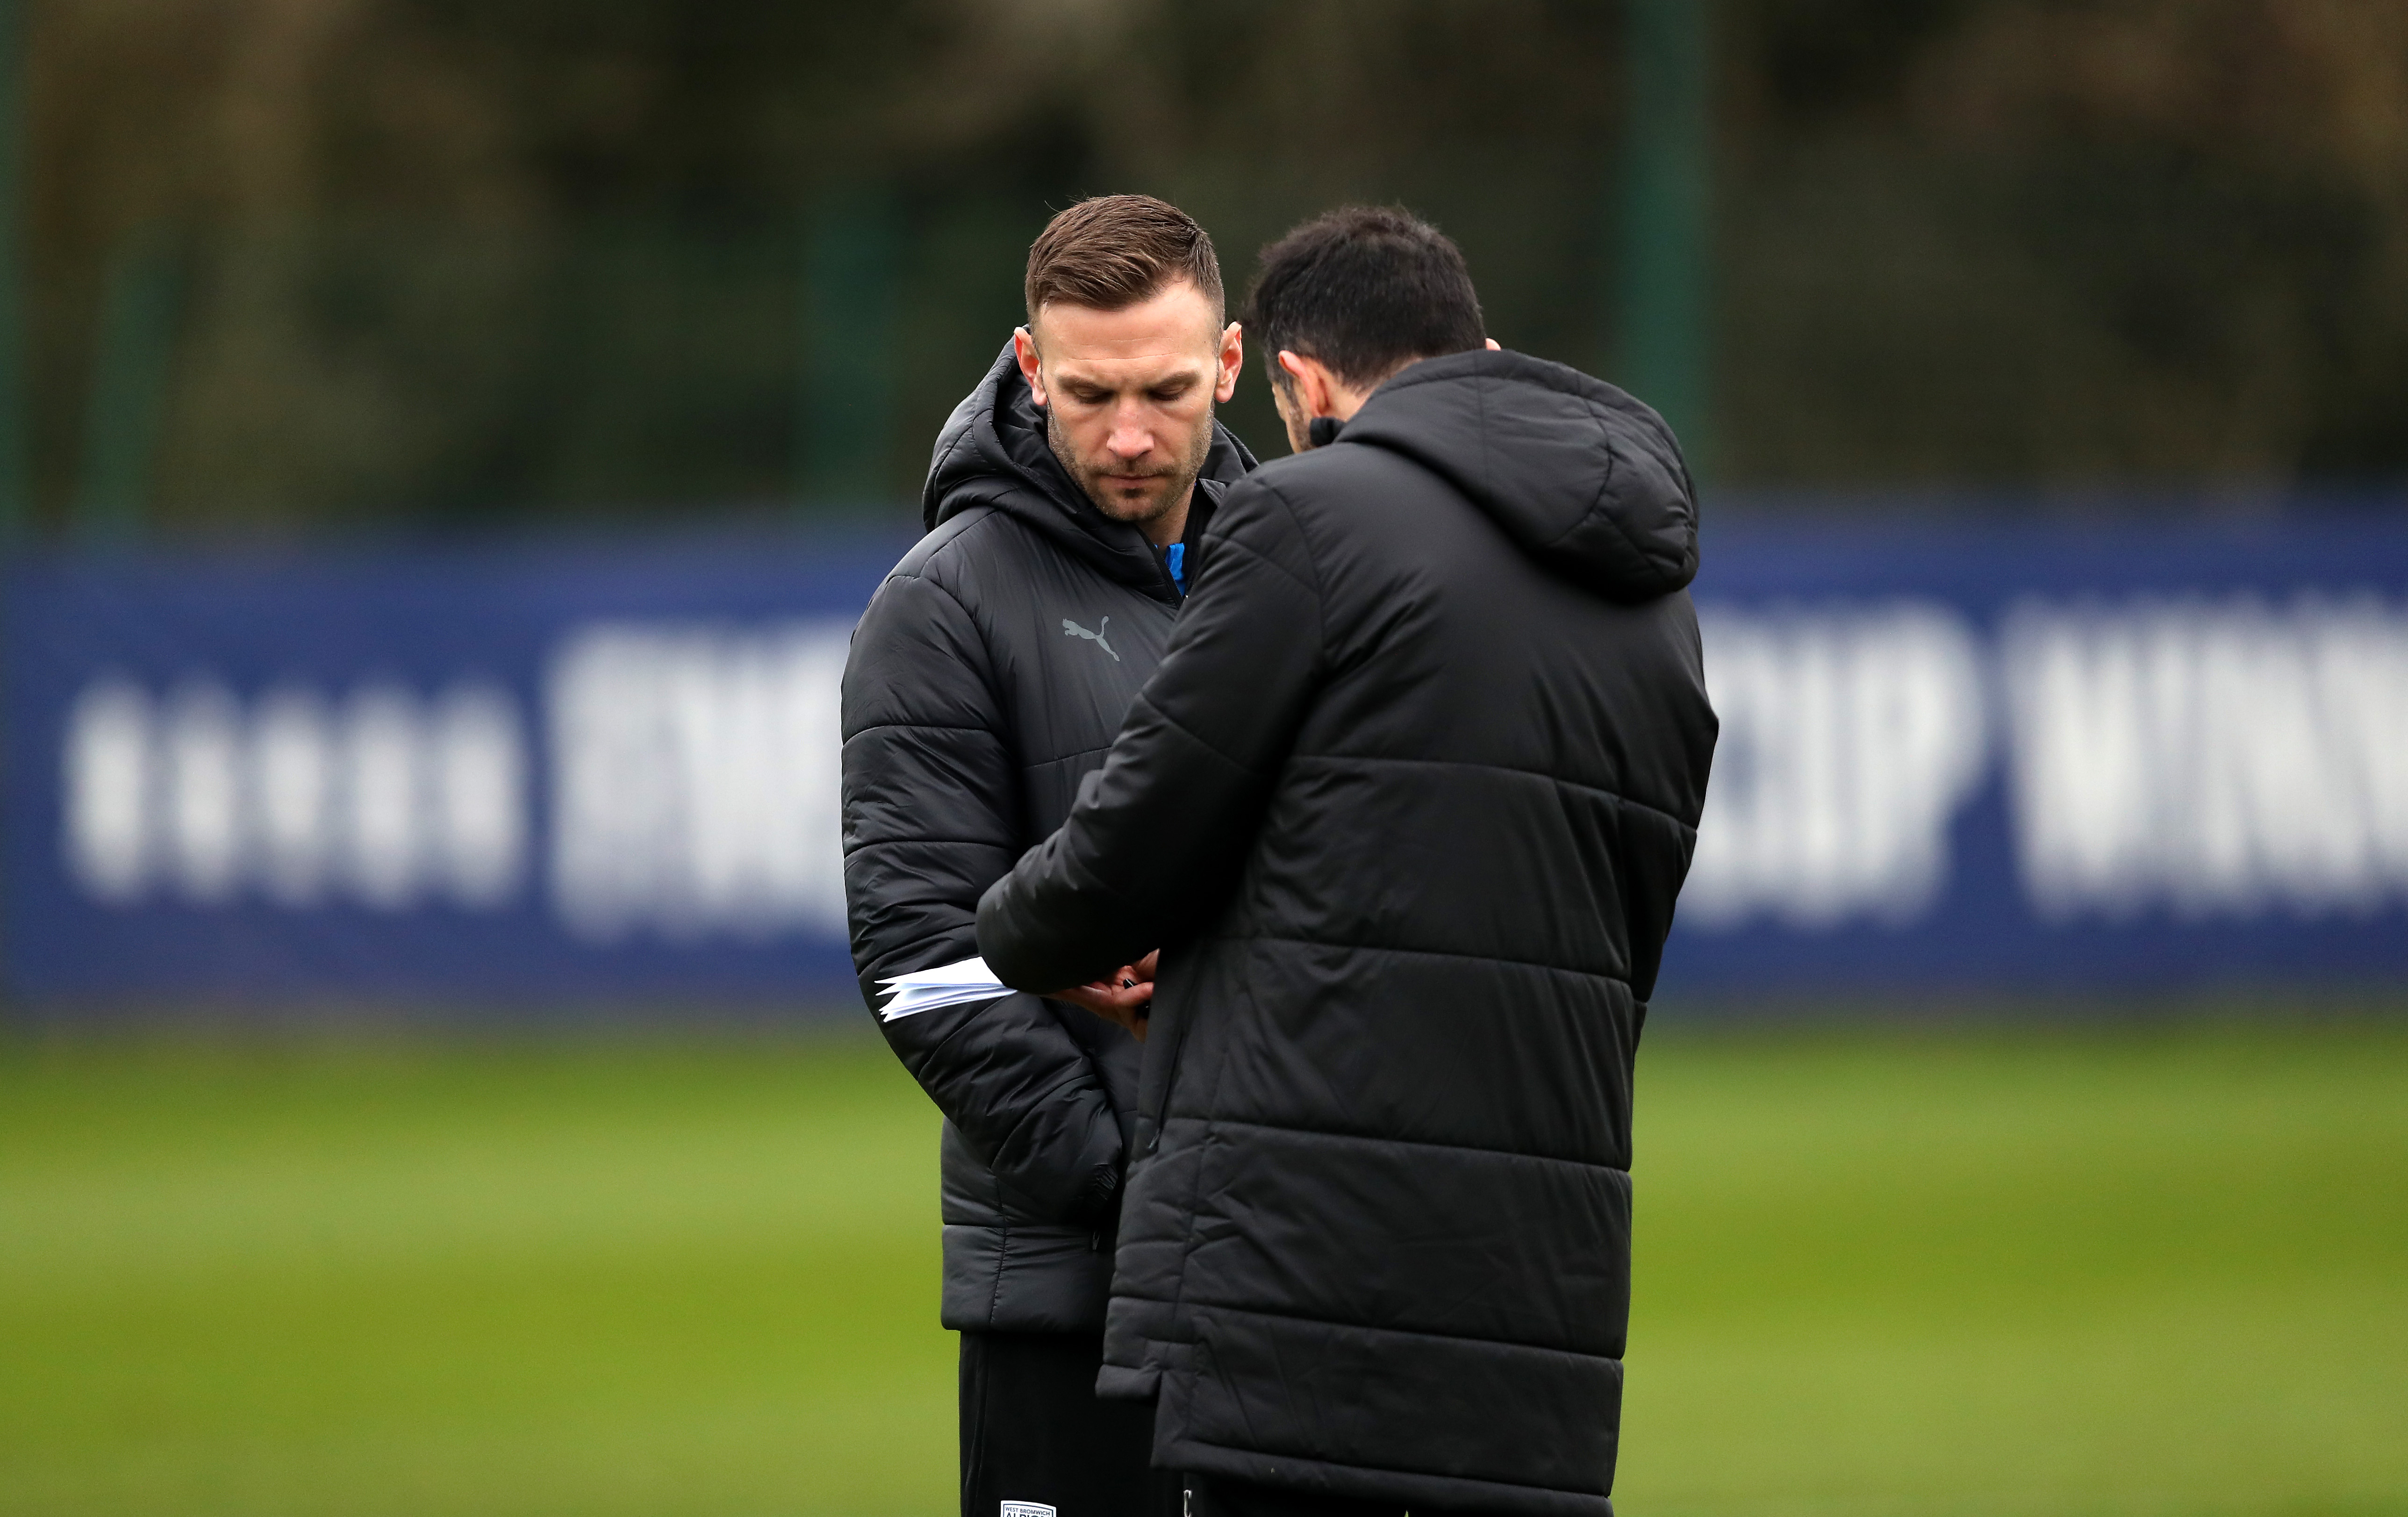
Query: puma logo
{"points": [[1073, 629]]}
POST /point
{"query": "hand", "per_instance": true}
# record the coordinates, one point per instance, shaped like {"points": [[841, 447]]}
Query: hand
{"points": [[1125, 997]]}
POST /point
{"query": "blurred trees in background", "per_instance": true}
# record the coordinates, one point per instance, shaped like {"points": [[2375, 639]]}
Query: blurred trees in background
{"points": [[2001, 240], [436, 260]]}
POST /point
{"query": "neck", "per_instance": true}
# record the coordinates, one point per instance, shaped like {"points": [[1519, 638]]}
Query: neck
{"points": [[1344, 403]]}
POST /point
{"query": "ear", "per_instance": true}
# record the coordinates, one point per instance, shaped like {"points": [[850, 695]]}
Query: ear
{"points": [[1312, 383], [1494, 346], [1233, 359], [1023, 348]]}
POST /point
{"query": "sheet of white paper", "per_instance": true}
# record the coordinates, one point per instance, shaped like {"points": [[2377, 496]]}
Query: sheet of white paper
{"points": [[947, 984], [972, 971]]}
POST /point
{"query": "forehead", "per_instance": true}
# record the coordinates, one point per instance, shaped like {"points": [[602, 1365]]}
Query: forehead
{"points": [[1176, 323]]}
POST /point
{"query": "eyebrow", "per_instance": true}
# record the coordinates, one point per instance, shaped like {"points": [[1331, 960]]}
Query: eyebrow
{"points": [[1185, 378]]}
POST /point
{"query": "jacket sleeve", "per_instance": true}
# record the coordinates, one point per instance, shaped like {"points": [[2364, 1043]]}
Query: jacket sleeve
{"points": [[1154, 843], [931, 805]]}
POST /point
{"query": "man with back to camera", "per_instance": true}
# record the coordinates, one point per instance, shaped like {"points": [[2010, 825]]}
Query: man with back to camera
{"points": [[986, 680], [1406, 807]]}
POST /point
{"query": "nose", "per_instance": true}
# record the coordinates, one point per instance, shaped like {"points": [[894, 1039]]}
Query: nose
{"points": [[1131, 440]]}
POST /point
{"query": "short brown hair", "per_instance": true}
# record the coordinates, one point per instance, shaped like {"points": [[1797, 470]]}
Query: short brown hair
{"points": [[1112, 252]]}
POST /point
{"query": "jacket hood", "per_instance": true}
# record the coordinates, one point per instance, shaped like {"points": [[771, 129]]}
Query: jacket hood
{"points": [[1583, 478], [993, 452]]}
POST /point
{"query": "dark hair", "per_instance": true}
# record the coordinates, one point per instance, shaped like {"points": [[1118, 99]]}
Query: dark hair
{"points": [[1112, 252], [1366, 290]]}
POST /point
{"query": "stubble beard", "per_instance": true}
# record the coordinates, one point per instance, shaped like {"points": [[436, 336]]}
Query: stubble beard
{"points": [[1090, 482]]}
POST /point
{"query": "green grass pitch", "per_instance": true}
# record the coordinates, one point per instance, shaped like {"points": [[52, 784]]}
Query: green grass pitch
{"points": [[2144, 1271]]}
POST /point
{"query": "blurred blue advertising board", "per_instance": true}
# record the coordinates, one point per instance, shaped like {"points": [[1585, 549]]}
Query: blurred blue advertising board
{"points": [[2053, 756], [1953, 756], [527, 773]]}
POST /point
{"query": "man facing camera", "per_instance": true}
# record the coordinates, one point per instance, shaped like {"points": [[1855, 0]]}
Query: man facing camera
{"points": [[986, 681], [1406, 808]]}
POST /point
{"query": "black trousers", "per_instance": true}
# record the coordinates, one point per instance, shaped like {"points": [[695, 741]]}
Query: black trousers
{"points": [[1037, 1442], [1212, 1496]]}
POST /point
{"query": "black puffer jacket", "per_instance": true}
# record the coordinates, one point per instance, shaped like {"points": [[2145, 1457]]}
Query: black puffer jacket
{"points": [[973, 706], [1407, 806]]}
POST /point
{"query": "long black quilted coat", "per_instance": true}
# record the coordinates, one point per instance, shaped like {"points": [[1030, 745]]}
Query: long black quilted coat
{"points": [[1407, 803], [971, 711]]}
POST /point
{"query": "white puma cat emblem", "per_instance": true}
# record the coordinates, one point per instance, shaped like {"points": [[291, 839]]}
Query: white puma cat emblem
{"points": [[1073, 629]]}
